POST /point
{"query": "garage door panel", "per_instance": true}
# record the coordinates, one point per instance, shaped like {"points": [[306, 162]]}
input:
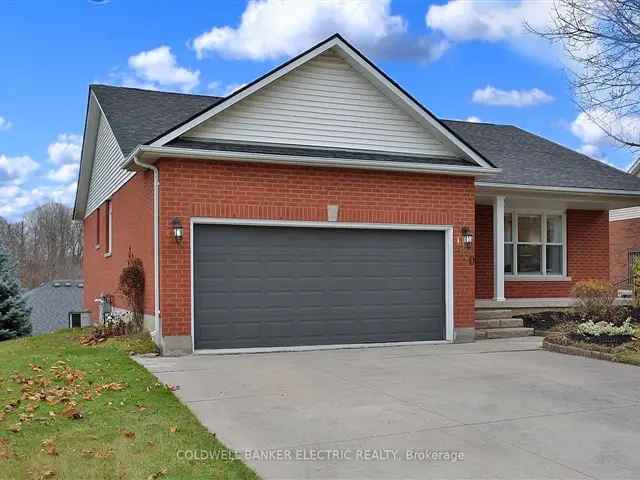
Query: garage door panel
{"points": [[281, 286]]}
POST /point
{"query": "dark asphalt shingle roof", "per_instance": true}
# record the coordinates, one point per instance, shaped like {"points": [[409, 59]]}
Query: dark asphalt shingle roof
{"points": [[139, 116], [316, 152], [50, 304], [528, 159]]}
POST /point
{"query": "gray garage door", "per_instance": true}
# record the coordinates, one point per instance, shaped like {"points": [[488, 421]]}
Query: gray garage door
{"points": [[283, 286]]}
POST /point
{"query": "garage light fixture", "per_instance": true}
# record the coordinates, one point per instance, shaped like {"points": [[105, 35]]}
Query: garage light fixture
{"points": [[467, 237], [178, 231]]}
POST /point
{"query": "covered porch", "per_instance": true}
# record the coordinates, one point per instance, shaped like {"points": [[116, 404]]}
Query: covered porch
{"points": [[533, 244]]}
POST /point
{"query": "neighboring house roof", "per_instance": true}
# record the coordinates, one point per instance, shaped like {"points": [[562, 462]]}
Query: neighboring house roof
{"points": [[528, 159], [51, 303]]}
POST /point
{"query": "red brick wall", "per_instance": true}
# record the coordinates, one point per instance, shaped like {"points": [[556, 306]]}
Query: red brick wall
{"points": [[132, 220], [624, 236], [587, 255], [243, 190], [484, 251]]}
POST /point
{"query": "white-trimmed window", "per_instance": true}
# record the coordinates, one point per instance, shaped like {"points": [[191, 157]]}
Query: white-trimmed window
{"points": [[109, 229], [535, 243]]}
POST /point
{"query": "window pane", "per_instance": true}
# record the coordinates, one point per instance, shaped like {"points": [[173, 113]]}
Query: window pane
{"points": [[554, 229], [507, 228], [529, 228], [554, 259], [508, 258], [529, 258]]}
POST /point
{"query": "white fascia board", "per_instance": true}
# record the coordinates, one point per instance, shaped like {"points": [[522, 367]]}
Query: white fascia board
{"points": [[157, 152], [89, 139], [365, 67], [544, 188]]}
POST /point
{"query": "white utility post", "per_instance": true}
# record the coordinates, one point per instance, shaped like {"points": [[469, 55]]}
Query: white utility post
{"points": [[498, 247]]}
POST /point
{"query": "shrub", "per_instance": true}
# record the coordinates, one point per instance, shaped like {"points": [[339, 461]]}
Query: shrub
{"points": [[605, 328], [132, 287], [606, 332], [635, 282], [594, 300]]}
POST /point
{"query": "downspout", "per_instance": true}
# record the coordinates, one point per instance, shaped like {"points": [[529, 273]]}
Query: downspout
{"points": [[157, 333]]}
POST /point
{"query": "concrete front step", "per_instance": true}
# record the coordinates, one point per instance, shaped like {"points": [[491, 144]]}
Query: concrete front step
{"points": [[499, 323], [489, 314], [503, 333]]}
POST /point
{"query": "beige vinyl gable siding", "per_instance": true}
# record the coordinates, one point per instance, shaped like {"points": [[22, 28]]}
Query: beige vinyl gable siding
{"points": [[323, 103], [106, 174]]}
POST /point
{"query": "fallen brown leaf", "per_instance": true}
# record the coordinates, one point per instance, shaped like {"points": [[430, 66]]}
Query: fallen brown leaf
{"points": [[141, 408], [173, 429], [48, 474], [161, 473], [71, 412], [108, 453], [49, 447], [129, 434], [15, 429], [87, 452]]}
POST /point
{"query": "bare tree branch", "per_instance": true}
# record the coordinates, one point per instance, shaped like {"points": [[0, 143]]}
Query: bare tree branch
{"points": [[601, 39]]}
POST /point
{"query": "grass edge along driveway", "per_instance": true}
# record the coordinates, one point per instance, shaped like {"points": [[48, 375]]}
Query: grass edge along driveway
{"points": [[74, 411]]}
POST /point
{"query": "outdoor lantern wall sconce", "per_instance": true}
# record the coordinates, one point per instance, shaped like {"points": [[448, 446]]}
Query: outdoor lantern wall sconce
{"points": [[178, 231], [467, 237]]}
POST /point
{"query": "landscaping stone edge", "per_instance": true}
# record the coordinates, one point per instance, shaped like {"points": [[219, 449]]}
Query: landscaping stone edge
{"points": [[582, 352]]}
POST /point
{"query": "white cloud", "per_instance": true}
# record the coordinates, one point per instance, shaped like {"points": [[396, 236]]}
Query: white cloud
{"points": [[588, 127], [233, 87], [473, 119], [220, 90], [271, 29], [15, 201], [65, 173], [159, 67], [589, 150], [5, 124], [497, 20], [16, 169], [510, 98], [462, 20], [66, 149]]}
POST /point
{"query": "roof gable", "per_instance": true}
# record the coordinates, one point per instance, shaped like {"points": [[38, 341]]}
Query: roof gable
{"points": [[361, 64], [325, 103]]}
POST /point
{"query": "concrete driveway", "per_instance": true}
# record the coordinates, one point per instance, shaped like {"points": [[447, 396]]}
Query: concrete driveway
{"points": [[492, 409]]}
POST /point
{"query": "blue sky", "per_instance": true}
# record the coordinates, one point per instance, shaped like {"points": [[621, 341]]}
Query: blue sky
{"points": [[461, 58]]}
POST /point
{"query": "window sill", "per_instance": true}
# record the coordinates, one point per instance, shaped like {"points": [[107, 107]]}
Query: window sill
{"points": [[536, 278], [107, 255]]}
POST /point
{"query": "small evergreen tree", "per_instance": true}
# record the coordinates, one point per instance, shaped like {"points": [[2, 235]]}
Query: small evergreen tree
{"points": [[14, 312]]}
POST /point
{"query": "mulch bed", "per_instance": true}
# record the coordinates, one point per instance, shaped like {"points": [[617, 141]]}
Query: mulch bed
{"points": [[553, 320]]}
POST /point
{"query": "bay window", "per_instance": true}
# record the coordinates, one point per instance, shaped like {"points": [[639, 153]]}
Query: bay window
{"points": [[534, 244]]}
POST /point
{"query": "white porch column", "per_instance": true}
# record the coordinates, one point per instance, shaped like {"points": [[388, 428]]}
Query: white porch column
{"points": [[498, 247]]}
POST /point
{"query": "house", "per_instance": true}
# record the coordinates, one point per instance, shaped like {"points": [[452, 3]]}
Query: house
{"points": [[624, 239], [57, 304], [322, 205]]}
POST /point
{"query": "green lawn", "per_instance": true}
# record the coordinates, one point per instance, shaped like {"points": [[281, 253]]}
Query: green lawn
{"points": [[73, 411]]}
